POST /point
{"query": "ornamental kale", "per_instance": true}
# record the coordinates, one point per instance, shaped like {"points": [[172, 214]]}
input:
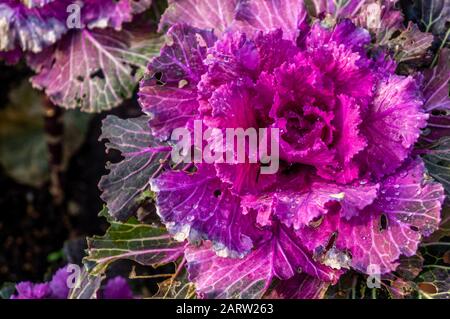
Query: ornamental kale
{"points": [[351, 191], [354, 96]]}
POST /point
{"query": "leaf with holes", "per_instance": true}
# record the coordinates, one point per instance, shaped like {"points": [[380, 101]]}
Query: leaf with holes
{"points": [[198, 205], [408, 208], [146, 244], [87, 286], [168, 92], [435, 284], [431, 15], [94, 70], [178, 287], [143, 159]]}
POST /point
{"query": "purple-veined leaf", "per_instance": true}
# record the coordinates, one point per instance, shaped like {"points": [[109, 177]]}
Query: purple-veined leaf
{"points": [[94, 70], [298, 209], [301, 286], [254, 16], [110, 13], [143, 158], [246, 16], [407, 209], [282, 257], [180, 65], [218, 277], [436, 84], [391, 135], [411, 44], [444, 226], [198, 205], [202, 14], [146, 244]]}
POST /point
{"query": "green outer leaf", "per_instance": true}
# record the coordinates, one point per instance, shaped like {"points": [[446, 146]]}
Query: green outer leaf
{"points": [[438, 280], [7, 289], [437, 162], [146, 244]]}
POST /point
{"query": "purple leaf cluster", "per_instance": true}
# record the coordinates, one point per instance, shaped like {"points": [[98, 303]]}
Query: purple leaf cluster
{"points": [[349, 194]]}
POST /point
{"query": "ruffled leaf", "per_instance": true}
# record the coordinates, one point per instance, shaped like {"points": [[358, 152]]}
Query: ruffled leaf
{"points": [[407, 209], [198, 205], [31, 29], [283, 257], [171, 99], [392, 124], [298, 209]]}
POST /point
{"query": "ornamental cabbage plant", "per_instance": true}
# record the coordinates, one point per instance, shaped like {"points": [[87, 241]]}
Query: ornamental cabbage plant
{"points": [[353, 93], [352, 191]]}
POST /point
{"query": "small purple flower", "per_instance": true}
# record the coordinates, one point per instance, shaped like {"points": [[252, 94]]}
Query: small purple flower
{"points": [[28, 290], [57, 288], [117, 288]]}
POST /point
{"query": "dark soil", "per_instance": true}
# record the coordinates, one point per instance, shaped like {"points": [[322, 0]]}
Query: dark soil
{"points": [[33, 230]]}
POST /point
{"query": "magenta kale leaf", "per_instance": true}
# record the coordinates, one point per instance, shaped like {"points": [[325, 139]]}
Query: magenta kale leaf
{"points": [[350, 192]]}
